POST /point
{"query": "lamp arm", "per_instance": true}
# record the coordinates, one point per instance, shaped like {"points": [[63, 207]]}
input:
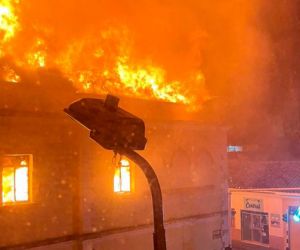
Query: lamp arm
{"points": [[159, 239]]}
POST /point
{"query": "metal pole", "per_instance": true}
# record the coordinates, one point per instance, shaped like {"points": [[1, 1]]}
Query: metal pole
{"points": [[159, 239], [289, 228]]}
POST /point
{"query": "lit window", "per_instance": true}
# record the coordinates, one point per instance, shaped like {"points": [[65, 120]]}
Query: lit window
{"points": [[15, 178], [231, 148], [122, 177]]}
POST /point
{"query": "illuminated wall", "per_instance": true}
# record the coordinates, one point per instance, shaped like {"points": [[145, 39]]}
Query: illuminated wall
{"points": [[72, 185], [190, 162]]}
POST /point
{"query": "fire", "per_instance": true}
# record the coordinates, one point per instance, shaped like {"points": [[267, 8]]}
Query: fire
{"points": [[21, 183], [8, 185], [15, 183], [9, 75], [149, 81], [106, 65], [37, 56], [132, 80], [9, 23], [122, 180], [99, 62]]}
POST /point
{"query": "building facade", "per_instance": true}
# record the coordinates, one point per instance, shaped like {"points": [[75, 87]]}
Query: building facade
{"points": [[261, 218], [265, 185], [71, 201]]}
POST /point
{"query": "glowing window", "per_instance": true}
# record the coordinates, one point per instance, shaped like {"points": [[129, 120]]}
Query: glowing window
{"points": [[122, 177], [15, 178]]}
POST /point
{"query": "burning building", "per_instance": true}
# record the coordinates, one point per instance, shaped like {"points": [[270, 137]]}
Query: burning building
{"points": [[59, 189]]}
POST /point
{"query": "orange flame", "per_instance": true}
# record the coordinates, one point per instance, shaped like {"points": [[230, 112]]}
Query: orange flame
{"points": [[37, 56], [96, 64], [149, 81], [9, 75], [122, 179], [8, 20], [15, 183]]}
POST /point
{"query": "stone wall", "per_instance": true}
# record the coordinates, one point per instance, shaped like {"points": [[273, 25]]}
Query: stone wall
{"points": [[72, 187], [55, 158]]}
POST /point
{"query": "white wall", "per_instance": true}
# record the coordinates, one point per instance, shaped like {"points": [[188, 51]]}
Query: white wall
{"points": [[272, 204]]}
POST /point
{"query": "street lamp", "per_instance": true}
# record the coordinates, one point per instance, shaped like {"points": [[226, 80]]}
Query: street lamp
{"points": [[116, 129]]}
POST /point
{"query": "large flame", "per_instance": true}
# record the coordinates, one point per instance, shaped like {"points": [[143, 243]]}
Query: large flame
{"points": [[8, 20], [95, 63], [37, 55]]}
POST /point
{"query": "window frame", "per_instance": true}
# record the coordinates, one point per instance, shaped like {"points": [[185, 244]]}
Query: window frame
{"points": [[131, 176], [28, 157]]}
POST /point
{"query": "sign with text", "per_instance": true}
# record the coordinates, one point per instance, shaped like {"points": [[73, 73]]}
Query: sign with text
{"points": [[253, 204]]}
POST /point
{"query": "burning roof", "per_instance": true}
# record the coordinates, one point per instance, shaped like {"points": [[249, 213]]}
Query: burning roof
{"points": [[183, 52], [98, 61]]}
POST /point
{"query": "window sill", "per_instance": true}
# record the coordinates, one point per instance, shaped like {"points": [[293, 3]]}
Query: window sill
{"points": [[14, 204]]}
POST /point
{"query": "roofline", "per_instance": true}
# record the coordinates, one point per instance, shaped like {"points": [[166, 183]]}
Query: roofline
{"points": [[270, 191], [263, 189]]}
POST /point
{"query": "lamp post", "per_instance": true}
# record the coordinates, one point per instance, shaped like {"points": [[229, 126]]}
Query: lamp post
{"points": [[159, 240], [115, 129]]}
